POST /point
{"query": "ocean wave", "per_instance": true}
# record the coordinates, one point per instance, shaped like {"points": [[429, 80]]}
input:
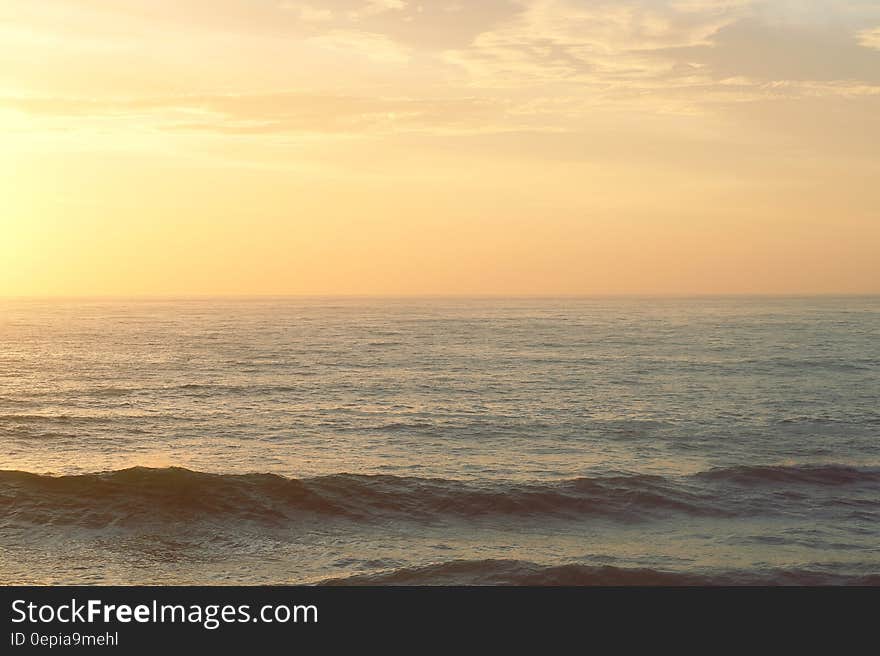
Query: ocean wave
{"points": [[28, 419], [790, 474], [143, 494], [524, 573], [174, 494], [140, 494]]}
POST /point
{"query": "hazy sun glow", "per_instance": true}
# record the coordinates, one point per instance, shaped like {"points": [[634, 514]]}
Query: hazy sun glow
{"points": [[439, 146]]}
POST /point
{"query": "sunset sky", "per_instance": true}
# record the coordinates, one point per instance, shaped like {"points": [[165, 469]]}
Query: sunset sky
{"points": [[165, 147]]}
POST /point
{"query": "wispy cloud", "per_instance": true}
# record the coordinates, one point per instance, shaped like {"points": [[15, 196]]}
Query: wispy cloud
{"points": [[379, 66], [308, 13], [283, 112], [605, 43], [358, 43], [676, 56], [870, 38]]}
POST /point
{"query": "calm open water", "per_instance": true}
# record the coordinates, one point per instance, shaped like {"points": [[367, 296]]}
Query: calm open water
{"points": [[440, 441]]}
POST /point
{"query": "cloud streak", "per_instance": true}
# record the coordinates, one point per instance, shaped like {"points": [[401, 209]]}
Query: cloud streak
{"points": [[283, 112], [870, 38]]}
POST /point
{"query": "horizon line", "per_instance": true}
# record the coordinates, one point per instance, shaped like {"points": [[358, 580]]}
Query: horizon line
{"points": [[435, 296]]}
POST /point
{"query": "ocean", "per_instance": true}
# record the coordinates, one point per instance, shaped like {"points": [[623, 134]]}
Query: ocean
{"points": [[440, 441]]}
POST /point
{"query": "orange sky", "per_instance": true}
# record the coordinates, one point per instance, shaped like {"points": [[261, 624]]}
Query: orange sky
{"points": [[164, 147]]}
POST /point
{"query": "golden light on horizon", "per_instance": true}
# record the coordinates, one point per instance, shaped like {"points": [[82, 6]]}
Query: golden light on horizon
{"points": [[393, 147]]}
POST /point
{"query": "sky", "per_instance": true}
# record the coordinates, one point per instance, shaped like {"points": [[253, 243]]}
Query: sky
{"points": [[398, 147]]}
